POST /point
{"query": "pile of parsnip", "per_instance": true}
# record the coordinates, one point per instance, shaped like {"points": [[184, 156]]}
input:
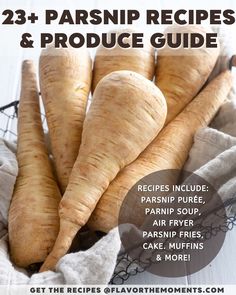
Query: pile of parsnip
{"points": [[133, 127]]}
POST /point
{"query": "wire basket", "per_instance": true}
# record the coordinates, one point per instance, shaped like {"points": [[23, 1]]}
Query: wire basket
{"points": [[126, 266], [8, 119]]}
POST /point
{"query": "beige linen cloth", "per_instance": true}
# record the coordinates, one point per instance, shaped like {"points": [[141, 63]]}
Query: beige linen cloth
{"points": [[212, 156]]}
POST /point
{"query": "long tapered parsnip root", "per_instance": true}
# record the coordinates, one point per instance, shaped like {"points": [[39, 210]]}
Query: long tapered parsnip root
{"points": [[65, 80], [169, 150], [139, 60], [33, 214], [181, 73], [126, 114]]}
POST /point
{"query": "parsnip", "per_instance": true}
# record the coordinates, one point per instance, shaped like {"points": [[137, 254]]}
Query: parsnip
{"points": [[126, 113], [139, 60], [33, 214], [181, 73], [65, 79], [169, 150]]}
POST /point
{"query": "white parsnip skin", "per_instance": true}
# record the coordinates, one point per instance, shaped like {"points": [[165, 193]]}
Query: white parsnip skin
{"points": [[181, 73], [33, 214], [139, 60], [65, 80], [169, 150], [126, 113]]}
